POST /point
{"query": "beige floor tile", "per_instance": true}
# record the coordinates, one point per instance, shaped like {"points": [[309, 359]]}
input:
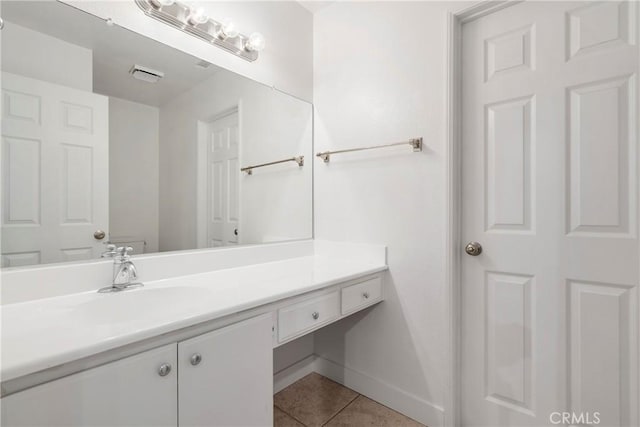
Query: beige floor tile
{"points": [[365, 412], [281, 419], [314, 399]]}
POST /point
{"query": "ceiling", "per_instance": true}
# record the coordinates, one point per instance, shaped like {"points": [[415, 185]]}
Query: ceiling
{"points": [[115, 51], [314, 5]]}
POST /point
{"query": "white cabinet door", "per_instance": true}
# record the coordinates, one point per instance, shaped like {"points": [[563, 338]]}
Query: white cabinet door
{"points": [[232, 385], [55, 172], [128, 392]]}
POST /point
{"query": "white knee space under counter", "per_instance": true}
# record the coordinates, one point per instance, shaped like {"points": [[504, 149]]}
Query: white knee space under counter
{"points": [[69, 328]]}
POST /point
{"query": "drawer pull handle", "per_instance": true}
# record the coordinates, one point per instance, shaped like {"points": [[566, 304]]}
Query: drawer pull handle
{"points": [[315, 315], [164, 369], [196, 359], [366, 295]]}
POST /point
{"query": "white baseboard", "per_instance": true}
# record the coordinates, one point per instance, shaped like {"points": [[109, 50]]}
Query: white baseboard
{"points": [[387, 394], [293, 373]]}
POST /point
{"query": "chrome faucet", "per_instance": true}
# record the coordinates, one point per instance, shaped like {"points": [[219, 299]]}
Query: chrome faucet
{"points": [[124, 271]]}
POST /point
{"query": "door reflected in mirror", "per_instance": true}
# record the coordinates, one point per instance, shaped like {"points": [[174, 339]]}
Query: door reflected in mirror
{"points": [[111, 137]]}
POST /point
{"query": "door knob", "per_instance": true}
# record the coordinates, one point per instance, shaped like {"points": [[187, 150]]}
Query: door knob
{"points": [[473, 248], [235, 231], [99, 234]]}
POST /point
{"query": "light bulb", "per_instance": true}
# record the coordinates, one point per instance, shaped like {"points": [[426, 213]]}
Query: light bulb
{"points": [[197, 16], [161, 3], [255, 43], [228, 29]]}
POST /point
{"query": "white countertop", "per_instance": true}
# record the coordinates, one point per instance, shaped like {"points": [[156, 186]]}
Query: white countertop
{"points": [[43, 333]]}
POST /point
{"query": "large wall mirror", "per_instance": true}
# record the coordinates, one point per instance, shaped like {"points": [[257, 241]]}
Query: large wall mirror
{"points": [[109, 136]]}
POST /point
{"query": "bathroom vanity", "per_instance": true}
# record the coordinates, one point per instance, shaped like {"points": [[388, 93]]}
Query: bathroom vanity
{"points": [[201, 174], [186, 350]]}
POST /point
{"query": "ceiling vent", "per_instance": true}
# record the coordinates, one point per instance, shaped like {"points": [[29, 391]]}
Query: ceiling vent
{"points": [[146, 74]]}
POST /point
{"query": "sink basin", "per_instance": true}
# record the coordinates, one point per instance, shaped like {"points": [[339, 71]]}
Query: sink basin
{"points": [[135, 303]]}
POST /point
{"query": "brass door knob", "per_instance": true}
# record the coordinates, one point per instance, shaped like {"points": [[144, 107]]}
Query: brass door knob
{"points": [[99, 234], [473, 248]]}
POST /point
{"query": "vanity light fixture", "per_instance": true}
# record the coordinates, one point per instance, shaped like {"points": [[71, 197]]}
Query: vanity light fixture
{"points": [[195, 22]]}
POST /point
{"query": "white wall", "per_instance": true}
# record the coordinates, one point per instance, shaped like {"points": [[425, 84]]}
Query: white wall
{"points": [[32, 54], [274, 202], [292, 352], [134, 172], [286, 62], [379, 70]]}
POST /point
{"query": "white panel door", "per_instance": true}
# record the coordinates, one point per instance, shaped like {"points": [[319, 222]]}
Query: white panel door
{"points": [[55, 160], [223, 179], [128, 392], [550, 190], [231, 381]]}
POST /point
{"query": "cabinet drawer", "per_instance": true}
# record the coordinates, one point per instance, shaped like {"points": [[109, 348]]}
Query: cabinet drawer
{"points": [[361, 294], [306, 315]]}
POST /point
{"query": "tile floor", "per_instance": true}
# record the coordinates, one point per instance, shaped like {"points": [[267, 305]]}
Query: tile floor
{"points": [[316, 401]]}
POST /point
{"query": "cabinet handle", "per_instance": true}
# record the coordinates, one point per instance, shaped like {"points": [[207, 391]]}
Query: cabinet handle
{"points": [[315, 315], [366, 295], [196, 359], [164, 369]]}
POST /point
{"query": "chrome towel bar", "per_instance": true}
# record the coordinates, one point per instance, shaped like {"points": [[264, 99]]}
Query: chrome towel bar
{"points": [[416, 143], [298, 159]]}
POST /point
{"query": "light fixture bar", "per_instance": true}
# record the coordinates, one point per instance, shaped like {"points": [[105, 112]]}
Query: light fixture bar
{"points": [[177, 15]]}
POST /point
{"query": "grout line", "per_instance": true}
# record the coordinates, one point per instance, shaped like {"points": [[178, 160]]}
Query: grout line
{"points": [[345, 407], [290, 415], [333, 416]]}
